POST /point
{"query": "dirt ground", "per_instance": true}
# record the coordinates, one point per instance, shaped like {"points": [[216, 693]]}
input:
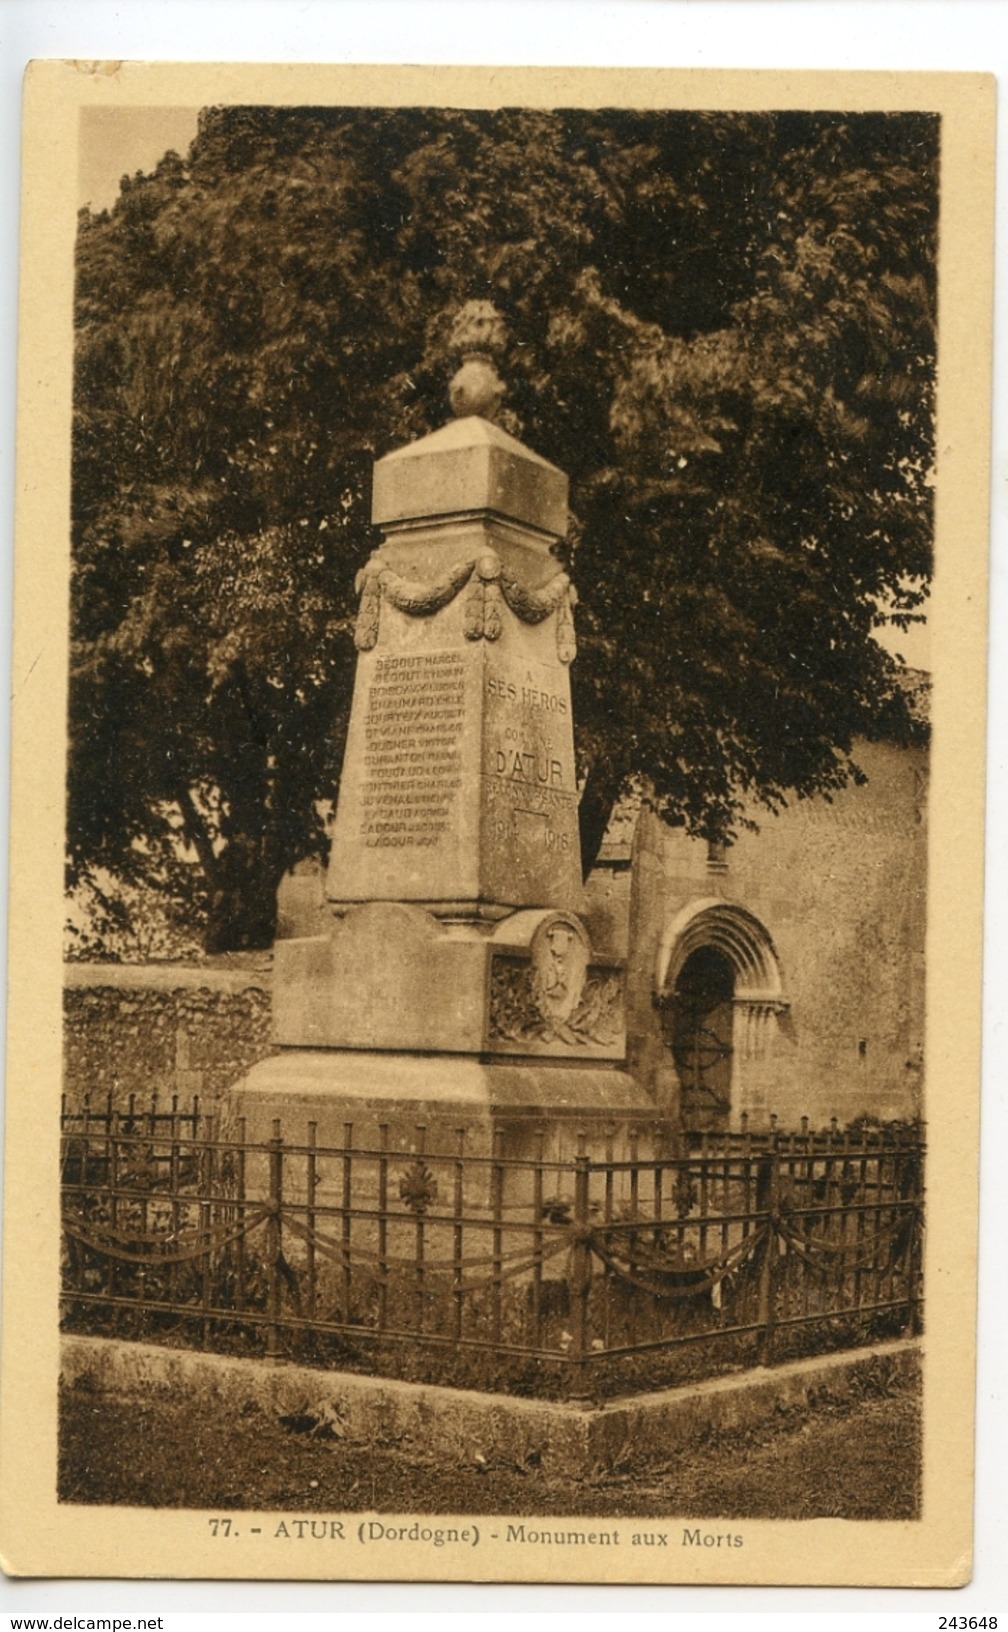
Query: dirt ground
{"points": [[859, 1459]]}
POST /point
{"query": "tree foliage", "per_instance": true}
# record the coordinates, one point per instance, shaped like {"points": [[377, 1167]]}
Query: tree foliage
{"points": [[721, 327]]}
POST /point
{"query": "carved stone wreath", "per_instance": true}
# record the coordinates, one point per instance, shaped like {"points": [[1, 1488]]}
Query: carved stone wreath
{"points": [[516, 1015]]}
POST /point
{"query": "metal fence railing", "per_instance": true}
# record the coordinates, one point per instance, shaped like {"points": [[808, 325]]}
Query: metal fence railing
{"points": [[438, 1242]]}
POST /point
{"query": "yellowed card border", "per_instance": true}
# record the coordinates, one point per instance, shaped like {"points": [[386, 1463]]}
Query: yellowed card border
{"points": [[38, 1535]]}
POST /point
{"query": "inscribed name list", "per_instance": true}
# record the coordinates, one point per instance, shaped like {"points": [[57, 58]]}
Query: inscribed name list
{"points": [[413, 755], [406, 822]]}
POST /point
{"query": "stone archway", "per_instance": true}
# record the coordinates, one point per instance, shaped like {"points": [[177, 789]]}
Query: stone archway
{"points": [[719, 985]]}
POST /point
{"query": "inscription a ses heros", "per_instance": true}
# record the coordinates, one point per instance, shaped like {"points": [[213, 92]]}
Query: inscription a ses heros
{"points": [[529, 696]]}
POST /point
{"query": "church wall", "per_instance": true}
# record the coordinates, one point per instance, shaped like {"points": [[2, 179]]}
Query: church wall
{"points": [[840, 888]]}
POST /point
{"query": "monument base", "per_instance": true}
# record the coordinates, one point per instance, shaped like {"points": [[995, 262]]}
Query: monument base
{"points": [[367, 1088], [443, 1105]]}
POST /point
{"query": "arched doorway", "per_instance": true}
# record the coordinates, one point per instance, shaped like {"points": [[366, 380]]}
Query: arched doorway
{"points": [[719, 987], [700, 1037]]}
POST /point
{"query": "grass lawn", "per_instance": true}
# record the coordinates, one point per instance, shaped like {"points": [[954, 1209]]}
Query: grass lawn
{"points": [[858, 1459]]}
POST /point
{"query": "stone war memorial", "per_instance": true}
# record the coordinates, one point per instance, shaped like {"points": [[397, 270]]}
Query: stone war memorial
{"points": [[457, 978]]}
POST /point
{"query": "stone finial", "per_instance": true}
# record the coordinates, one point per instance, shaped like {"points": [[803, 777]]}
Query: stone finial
{"points": [[477, 333]]}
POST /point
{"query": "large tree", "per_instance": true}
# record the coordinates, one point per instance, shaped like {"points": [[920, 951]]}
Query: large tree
{"points": [[722, 328]]}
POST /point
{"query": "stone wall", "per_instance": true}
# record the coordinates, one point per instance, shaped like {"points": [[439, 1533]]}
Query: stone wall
{"points": [[162, 1028]]}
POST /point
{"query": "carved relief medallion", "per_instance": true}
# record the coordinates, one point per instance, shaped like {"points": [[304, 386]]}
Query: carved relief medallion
{"points": [[559, 967], [553, 996]]}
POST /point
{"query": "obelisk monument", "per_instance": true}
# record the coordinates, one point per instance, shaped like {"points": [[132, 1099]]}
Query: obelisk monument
{"points": [[458, 973]]}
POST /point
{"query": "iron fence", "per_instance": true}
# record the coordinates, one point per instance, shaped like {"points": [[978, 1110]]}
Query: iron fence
{"points": [[578, 1275]]}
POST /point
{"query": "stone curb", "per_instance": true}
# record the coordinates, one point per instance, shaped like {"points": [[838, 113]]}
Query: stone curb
{"points": [[465, 1426]]}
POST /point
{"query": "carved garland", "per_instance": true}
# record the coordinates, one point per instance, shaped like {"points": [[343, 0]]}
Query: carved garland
{"points": [[489, 585]]}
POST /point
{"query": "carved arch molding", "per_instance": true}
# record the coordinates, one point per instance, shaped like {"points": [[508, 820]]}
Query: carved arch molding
{"points": [[759, 995]]}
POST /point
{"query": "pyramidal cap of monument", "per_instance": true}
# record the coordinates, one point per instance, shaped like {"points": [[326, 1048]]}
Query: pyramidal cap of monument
{"points": [[455, 883]]}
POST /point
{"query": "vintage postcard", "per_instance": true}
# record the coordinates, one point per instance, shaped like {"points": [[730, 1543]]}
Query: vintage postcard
{"points": [[497, 825]]}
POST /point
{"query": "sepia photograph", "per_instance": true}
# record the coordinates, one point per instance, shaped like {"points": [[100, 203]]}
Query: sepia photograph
{"points": [[509, 553]]}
